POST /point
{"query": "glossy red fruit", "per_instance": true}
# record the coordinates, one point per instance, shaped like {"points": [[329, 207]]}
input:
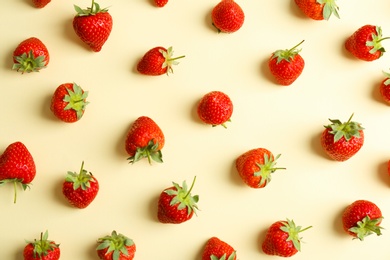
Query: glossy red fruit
{"points": [[176, 204], [218, 249], [81, 188], [215, 108], [256, 166], [144, 139], [42, 249], [340, 140], [318, 9], [362, 218], [282, 239], [40, 3], [17, 166], [384, 88], [115, 247], [227, 16], [286, 65], [366, 43], [157, 61], [93, 25], [68, 102], [160, 3], [31, 55]]}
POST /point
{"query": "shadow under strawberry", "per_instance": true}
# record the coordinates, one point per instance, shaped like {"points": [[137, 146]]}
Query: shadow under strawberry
{"points": [[383, 174]]}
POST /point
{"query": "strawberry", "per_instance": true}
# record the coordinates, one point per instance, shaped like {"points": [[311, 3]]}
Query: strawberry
{"points": [[42, 249], [286, 65], [40, 3], [318, 9], [362, 218], [217, 249], [384, 88], [31, 55], [157, 61], [17, 166], [256, 166], [227, 16], [144, 140], [93, 25], [366, 43], [68, 102], [215, 108], [342, 140], [80, 188], [115, 247], [176, 204], [160, 3], [282, 239]]}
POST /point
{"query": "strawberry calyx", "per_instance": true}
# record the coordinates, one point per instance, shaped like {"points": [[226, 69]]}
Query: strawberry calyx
{"points": [[76, 100], [182, 196], [27, 62], [367, 226], [116, 243], [169, 60], [330, 7], [81, 180], [347, 130], [43, 246], [376, 42], [224, 257], [94, 9], [267, 169], [149, 151], [293, 232], [287, 54], [15, 182]]}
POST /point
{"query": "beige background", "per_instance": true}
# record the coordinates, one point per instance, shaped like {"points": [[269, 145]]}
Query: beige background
{"points": [[288, 120]]}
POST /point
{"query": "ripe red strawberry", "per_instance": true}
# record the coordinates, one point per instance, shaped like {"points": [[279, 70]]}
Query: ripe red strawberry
{"points": [[42, 249], [17, 166], [160, 3], [286, 65], [40, 3], [342, 140], [81, 188], [217, 249], [366, 43], [93, 25], [31, 55], [157, 61], [227, 16], [318, 9], [215, 108], [362, 218], [144, 140], [384, 88], [116, 247], [176, 204], [256, 166], [68, 102], [282, 239]]}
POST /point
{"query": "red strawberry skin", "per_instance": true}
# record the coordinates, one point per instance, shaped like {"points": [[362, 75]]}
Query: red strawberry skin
{"points": [[215, 108], [358, 43], [93, 30], [286, 72], [218, 248], [32, 63], [40, 3], [384, 90], [341, 150], [62, 108], [80, 198], [152, 62], [311, 8], [17, 163], [160, 3], [227, 16], [28, 253], [276, 243], [102, 254], [357, 211]]}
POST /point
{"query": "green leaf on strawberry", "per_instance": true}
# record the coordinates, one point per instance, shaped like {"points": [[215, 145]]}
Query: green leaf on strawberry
{"points": [[293, 233], [76, 100], [346, 130], [94, 9], [375, 43], [182, 196], [287, 54], [330, 7], [43, 246], [117, 245]]}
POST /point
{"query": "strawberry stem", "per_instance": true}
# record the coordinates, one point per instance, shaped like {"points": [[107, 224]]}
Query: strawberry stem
{"points": [[93, 4], [293, 48], [189, 191], [176, 58], [15, 191]]}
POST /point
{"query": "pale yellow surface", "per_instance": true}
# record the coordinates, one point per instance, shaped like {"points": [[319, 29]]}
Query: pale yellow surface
{"points": [[313, 190]]}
